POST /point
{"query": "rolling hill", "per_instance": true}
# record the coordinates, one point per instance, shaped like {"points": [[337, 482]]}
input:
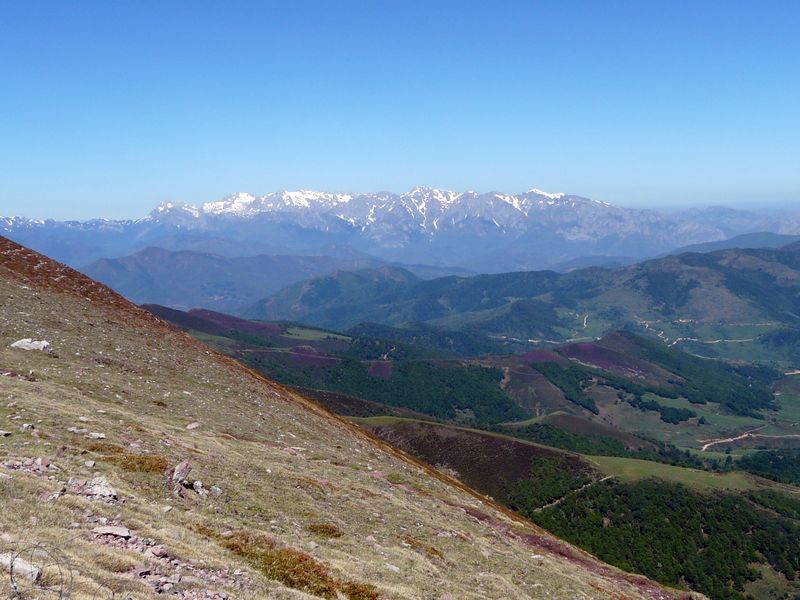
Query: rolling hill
{"points": [[763, 239], [188, 278], [730, 303]]}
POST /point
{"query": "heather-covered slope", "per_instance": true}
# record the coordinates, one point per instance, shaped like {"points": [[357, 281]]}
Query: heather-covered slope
{"points": [[293, 503]]}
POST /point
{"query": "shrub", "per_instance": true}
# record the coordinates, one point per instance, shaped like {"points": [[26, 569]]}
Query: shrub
{"points": [[328, 530], [294, 568]]}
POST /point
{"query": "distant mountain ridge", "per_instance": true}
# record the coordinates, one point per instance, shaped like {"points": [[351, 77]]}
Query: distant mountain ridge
{"points": [[737, 302], [763, 239], [485, 232], [188, 278]]}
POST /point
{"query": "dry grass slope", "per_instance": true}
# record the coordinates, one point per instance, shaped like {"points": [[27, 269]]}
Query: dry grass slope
{"points": [[294, 502]]}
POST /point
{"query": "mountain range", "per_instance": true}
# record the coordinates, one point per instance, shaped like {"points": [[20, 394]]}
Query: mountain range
{"points": [[483, 232]]}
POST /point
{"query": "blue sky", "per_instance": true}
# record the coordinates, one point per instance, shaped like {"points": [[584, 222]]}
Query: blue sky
{"points": [[108, 108]]}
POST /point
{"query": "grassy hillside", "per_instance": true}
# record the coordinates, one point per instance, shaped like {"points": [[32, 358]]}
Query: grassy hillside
{"points": [[635, 393], [676, 524], [142, 463]]}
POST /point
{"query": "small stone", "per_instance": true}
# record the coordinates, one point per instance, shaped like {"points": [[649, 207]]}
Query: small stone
{"points": [[94, 435], [30, 344], [197, 486], [99, 486], [166, 509], [113, 530], [181, 471], [12, 563], [49, 496], [393, 568], [89, 464], [5, 433], [192, 426], [216, 490], [141, 572]]}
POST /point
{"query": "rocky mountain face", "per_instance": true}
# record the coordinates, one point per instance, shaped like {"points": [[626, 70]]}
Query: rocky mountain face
{"points": [[177, 472], [487, 232]]}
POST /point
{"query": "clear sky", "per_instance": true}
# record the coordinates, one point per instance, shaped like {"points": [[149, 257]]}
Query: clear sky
{"points": [[109, 108]]}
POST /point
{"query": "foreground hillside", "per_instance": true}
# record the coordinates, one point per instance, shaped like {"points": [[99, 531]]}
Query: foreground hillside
{"points": [[609, 443], [136, 461]]}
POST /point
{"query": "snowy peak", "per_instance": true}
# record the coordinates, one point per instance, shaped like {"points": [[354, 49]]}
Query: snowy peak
{"points": [[238, 203], [425, 195], [173, 210], [556, 196], [424, 203]]}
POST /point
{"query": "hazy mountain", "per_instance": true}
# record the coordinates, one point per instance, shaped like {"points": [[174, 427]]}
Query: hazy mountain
{"points": [[483, 232], [762, 239], [187, 279], [730, 302]]}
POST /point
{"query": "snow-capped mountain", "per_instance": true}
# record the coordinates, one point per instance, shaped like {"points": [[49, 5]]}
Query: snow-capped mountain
{"points": [[490, 232]]}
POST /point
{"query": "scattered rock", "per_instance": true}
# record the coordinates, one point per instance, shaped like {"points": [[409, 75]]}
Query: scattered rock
{"points": [[30, 344], [159, 551], [89, 464], [141, 572], [181, 471], [51, 496], [114, 530], [17, 567], [393, 568], [100, 488], [192, 426], [216, 490], [197, 486], [5, 433], [93, 435]]}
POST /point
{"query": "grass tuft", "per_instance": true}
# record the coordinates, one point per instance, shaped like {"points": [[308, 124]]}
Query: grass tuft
{"points": [[328, 530], [294, 568], [421, 546], [141, 463]]}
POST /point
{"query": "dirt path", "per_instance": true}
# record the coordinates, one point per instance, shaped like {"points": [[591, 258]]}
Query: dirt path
{"points": [[746, 434], [576, 491], [691, 339]]}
